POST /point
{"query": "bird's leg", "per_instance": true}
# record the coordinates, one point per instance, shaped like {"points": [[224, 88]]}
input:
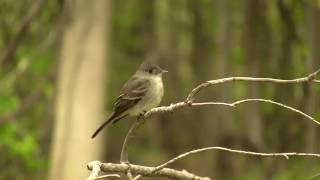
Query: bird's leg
{"points": [[141, 117]]}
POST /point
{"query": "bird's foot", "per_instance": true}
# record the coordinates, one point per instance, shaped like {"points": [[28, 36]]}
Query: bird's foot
{"points": [[141, 117]]}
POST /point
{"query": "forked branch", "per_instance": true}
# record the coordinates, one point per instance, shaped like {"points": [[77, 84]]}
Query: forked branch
{"points": [[190, 102], [161, 171]]}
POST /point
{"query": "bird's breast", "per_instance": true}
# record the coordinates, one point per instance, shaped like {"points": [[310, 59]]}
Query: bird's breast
{"points": [[152, 98], [156, 91]]}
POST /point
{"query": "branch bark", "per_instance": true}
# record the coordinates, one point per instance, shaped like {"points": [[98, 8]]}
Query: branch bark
{"points": [[145, 171], [95, 169], [285, 155], [161, 171], [310, 78]]}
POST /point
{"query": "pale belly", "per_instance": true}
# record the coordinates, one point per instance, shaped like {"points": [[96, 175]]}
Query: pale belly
{"points": [[151, 100]]}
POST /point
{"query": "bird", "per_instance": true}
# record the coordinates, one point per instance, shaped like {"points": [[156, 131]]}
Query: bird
{"points": [[142, 92]]}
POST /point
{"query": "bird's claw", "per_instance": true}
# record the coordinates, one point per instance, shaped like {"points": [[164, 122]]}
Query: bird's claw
{"points": [[141, 117]]}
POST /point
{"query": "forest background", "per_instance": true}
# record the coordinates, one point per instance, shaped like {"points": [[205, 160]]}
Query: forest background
{"points": [[63, 62]]}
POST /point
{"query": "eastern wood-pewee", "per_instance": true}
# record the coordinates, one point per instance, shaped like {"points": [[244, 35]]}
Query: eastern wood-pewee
{"points": [[142, 92]]}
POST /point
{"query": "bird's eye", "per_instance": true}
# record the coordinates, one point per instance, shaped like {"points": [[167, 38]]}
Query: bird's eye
{"points": [[152, 71]]}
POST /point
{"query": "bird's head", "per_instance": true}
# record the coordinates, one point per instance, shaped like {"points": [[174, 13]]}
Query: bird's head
{"points": [[151, 69]]}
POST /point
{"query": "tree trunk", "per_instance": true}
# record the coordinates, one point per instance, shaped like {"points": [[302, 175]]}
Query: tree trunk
{"points": [[285, 93], [167, 44], [80, 92], [254, 13], [223, 65]]}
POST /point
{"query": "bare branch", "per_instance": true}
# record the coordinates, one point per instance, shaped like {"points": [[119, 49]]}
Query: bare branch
{"points": [[161, 171], [189, 102], [309, 78], [145, 171], [285, 155], [173, 107], [130, 134], [278, 104]]}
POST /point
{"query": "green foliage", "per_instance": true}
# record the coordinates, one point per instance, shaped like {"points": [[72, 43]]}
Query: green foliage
{"points": [[8, 103], [24, 147], [25, 88]]}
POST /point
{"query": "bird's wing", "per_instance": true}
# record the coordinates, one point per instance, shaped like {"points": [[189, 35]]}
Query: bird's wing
{"points": [[131, 93]]}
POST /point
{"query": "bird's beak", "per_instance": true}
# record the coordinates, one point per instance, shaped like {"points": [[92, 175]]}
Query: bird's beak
{"points": [[163, 71]]}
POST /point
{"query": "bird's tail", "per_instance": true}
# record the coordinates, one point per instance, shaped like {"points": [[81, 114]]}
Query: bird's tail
{"points": [[111, 118]]}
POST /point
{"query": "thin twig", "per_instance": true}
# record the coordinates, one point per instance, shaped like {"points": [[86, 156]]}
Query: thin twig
{"points": [[314, 176], [108, 175], [285, 155], [278, 104], [137, 177], [129, 174], [309, 78], [130, 134], [172, 107], [124, 151]]}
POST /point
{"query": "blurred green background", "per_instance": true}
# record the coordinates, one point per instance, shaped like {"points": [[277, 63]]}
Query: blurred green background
{"points": [[86, 50]]}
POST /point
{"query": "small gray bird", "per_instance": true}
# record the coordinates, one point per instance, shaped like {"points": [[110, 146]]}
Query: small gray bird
{"points": [[142, 92]]}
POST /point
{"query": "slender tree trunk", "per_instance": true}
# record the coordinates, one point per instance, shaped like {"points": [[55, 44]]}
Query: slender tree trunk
{"points": [[167, 45], [202, 64], [225, 165], [285, 93], [223, 65], [80, 93], [252, 33]]}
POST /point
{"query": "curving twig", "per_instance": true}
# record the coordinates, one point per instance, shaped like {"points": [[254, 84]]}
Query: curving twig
{"points": [[278, 104], [124, 151], [285, 155], [314, 176], [310, 78]]}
